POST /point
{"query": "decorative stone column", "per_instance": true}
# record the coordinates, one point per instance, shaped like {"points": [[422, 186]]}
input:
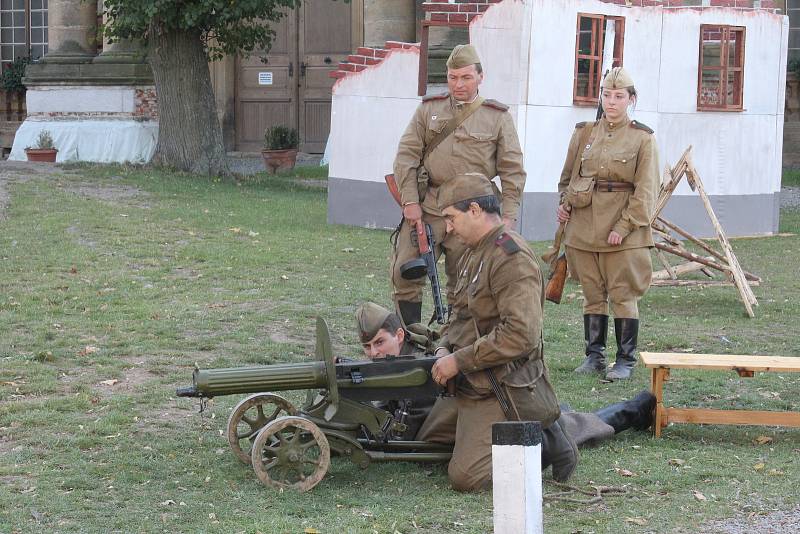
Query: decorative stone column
{"points": [[72, 31], [389, 20]]}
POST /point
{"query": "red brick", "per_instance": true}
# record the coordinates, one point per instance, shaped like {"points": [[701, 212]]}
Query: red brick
{"points": [[439, 17], [380, 52], [337, 74], [457, 17], [365, 51], [469, 8], [361, 60]]}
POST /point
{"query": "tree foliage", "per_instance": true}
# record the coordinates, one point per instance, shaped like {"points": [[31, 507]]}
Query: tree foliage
{"points": [[226, 26]]}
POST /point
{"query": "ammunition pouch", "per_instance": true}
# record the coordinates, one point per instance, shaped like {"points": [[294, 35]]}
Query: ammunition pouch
{"points": [[579, 191], [423, 178], [531, 393]]}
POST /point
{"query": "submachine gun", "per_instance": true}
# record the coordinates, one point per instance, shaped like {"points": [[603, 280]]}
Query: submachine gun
{"points": [[290, 447], [426, 263]]}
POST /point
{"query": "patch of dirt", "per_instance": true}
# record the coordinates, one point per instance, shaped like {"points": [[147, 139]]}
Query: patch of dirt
{"points": [[131, 379], [108, 193]]}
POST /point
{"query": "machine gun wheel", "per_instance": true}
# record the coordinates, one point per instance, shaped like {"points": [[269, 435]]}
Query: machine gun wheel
{"points": [[250, 416], [291, 453]]}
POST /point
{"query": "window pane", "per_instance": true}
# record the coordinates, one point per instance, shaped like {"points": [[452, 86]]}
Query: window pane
{"points": [[20, 51], [5, 20], [712, 41], [19, 19], [37, 51], [6, 35], [7, 52], [19, 35], [5, 5], [36, 4], [36, 19], [19, 4], [710, 89], [37, 34], [734, 49], [734, 89]]}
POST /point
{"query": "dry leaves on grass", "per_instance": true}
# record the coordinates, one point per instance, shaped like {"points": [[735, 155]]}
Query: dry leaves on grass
{"points": [[625, 472], [699, 496], [88, 349], [676, 462], [641, 521], [110, 382], [762, 440]]}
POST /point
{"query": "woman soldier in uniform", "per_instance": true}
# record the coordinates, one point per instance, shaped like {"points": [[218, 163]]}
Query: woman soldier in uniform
{"points": [[608, 189]]}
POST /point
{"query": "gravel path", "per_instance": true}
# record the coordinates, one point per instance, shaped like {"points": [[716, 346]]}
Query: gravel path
{"points": [[782, 522], [790, 197]]}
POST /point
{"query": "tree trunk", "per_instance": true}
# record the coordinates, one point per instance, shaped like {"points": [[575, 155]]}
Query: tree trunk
{"points": [[189, 133]]}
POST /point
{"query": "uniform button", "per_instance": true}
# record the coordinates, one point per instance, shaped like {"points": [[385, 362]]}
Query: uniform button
{"points": [[602, 167]]}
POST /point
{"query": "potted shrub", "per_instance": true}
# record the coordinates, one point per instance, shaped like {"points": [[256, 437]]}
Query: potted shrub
{"points": [[280, 148], [44, 149]]}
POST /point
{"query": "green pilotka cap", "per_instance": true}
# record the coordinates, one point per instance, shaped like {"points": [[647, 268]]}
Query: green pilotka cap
{"points": [[463, 56], [617, 78], [464, 187], [370, 318]]}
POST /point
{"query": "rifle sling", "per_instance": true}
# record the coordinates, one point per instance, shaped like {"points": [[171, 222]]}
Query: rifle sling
{"points": [[449, 128]]}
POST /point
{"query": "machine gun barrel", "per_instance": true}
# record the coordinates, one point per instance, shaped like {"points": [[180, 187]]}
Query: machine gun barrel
{"points": [[234, 380]]}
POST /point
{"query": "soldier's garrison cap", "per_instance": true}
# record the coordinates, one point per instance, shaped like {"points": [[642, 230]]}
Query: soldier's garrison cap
{"points": [[464, 187], [370, 318], [617, 78], [463, 56]]}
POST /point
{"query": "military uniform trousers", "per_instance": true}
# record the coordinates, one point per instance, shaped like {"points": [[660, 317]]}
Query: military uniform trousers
{"points": [[621, 277], [406, 250], [468, 423]]}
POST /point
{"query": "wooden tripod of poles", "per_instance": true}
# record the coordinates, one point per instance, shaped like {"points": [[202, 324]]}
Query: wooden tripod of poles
{"points": [[668, 240]]}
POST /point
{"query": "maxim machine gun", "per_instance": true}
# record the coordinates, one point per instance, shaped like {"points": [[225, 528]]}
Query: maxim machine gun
{"points": [[291, 448]]}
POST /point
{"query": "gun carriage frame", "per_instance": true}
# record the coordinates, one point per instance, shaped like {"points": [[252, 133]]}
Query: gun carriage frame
{"points": [[290, 448]]}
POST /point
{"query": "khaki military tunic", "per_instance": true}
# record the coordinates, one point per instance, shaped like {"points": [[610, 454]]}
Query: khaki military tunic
{"points": [[497, 325], [622, 152], [486, 142]]}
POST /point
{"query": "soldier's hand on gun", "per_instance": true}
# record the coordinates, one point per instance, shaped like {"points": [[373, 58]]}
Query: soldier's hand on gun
{"points": [[562, 213], [445, 367], [412, 212]]}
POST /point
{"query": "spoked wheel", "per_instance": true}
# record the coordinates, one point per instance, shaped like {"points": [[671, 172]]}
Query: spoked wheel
{"points": [[291, 453], [250, 416]]}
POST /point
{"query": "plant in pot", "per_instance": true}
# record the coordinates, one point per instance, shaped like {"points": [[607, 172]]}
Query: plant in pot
{"points": [[280, 148], [44, 149]]}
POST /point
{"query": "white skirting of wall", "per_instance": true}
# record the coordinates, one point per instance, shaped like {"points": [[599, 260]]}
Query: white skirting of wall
{"points": [[101, 140]]}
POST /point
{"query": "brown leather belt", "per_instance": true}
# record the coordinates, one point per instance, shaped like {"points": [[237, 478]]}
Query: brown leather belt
{"points": [[613, 187]]}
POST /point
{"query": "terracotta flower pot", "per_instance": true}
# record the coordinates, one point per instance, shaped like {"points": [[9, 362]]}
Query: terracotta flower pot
{"points": [[278, 160], [41, 154]]}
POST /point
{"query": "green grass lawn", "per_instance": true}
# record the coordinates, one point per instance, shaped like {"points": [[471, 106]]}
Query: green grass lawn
{"points": [[115, 282], [791, 178]]}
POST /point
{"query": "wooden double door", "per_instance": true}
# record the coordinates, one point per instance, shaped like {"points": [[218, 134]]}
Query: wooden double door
{"points": [[290, 84]]}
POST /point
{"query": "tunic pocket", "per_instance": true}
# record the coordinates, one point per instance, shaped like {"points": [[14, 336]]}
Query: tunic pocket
{"points": [[579, 191], [622, 166]]}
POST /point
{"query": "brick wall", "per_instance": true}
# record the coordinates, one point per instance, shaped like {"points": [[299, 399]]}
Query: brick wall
{"points": [[366, 57], [145, 103]]}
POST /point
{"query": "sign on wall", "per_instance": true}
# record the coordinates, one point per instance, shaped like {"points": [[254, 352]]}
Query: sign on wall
{"points": [[265, 78]]}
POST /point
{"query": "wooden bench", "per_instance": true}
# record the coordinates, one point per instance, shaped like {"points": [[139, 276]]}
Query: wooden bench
{"points": [[745, 366]]}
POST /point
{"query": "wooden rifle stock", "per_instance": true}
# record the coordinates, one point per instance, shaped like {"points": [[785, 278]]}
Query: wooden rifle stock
{"points": [[391, 183], [555, 284]]}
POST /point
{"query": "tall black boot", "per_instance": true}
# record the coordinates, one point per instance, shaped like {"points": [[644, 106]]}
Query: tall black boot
{"points": [[559, 450], [635, 413], [410, 312], [627, 333], [595, 334]]}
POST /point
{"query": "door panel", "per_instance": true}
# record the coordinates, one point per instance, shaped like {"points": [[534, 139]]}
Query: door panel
{"points": [[260, 105], [325, 39]]}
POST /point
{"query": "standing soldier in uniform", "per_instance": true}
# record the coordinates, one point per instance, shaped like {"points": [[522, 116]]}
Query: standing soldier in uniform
{"points": [[608, 189], [451, 134]]}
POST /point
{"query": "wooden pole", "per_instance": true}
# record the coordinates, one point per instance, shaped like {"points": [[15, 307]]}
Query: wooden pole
{"points": [[517, 477]]}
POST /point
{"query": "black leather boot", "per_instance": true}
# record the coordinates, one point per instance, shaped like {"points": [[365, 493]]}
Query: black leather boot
{"points": [[410, 312], [627, 333], [595, 333], [559, 450], [636, 413]]}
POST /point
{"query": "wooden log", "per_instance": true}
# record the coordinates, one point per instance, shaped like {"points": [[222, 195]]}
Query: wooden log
{"points": [[668, 269], [747, 295], [684, 268], [665, 282], [680, 231]]}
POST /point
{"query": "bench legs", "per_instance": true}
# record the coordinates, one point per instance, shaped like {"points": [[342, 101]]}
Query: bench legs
{"points": [[657, 379]]}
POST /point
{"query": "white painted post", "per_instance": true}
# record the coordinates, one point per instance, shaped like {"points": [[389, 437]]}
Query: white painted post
{"points": [[517, 477]]}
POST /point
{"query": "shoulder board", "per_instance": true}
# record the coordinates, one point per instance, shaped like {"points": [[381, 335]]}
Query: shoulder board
{"points": [[584, 124], [639, 126], [508, 245], [428, 98], [495, 104]]}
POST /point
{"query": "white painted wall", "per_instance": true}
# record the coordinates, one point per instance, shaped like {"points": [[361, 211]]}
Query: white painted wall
{"points": [[80, 99]]}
